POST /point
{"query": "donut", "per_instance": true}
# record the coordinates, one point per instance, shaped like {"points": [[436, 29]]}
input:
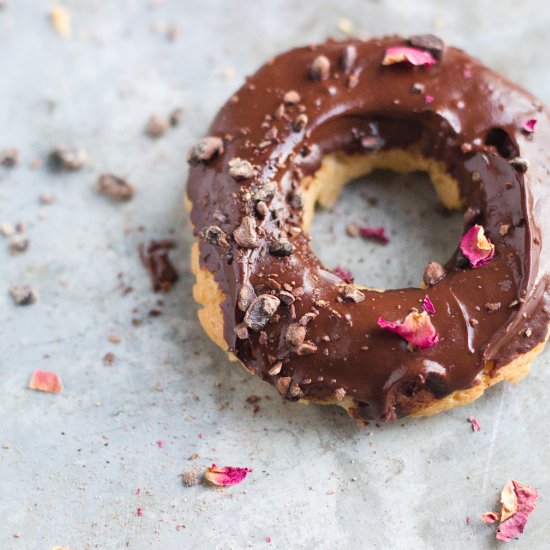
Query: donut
{"points": [[311, 120]]}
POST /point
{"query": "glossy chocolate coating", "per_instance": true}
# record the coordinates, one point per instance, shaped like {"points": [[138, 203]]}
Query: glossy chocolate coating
{"points": [[473, 125]]}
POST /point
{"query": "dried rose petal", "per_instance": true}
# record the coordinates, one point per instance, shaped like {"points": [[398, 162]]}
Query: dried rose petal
{"points": [[224, 476], [490, 517], [475, 425], [46, 381], [344, 274], [417, 329], [413, 56], [529, 125], [427, 305], [378, 233], [518, 501], [476, 247]]}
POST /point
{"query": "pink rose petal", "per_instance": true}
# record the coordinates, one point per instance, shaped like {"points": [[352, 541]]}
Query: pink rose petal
{"points": [[428, 99], [225, 476], [47, 381], [476, 247], [404, 54], [160, 443], [378, 233], [468, 520], [417, 329], [529, 125], [475, 426], [139, 512], [490, 517], [518, 502], [344, 274], [427, 305]]}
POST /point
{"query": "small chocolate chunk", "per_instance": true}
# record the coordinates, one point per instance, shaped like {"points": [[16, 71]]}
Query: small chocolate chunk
{"points": [[68, 158], [23, 294], [155, 259], [205, 150], [352, 294], [339, 394], [216, 235], [175, 117], [491, 307], [295, 334], [286, 297], [9, 158], [20, 243], [241, 331], [428, 42], [156, 126], [245, 297], [433, 273], [283, 384], [300, 122], [241, 169], [265, 193], [473, 322], [305, 348], [292, 97], [519, 163], [295, 391], [348, 57], [307, 318], [262, 209], [245, 235], [260, 311], [418, 88], [503, 229], [115, 187], [281, 247], [109, 358], [320, 68]]}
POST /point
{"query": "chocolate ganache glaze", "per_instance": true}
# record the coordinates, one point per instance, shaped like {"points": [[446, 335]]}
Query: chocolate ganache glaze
{"points": [[244, 186]]}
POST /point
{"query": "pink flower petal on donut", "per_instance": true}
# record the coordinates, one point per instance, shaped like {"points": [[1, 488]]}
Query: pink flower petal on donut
{"points": [[47, 381], [417, 329], [427, 305], [404, 54], [476, 247], [378, 233], [224, 476], [518, 502], [529, 125], [344, 274]]}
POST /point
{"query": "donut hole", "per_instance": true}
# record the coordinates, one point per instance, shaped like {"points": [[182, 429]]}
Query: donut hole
{"points": [[420, 229], [502, 143]]}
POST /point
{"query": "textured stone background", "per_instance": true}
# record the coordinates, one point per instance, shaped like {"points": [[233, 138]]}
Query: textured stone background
{"points": [[70, 464]]}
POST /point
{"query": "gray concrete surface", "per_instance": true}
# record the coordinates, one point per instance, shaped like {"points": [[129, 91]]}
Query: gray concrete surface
{"points": [[71, 464]]}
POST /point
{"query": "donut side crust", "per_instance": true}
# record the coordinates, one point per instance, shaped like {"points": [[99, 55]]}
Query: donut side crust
{"points": [[323, 188]]}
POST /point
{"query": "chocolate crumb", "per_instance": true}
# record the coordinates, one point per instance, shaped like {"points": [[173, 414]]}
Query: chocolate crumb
{"points": [[352, 229], [491, 307], [20, 243], [216, 235], [109, 358], [348, 58], [295, 334], [241, 331], [260, 311], [418, 88], [296, 391], [320, 68], [245, 297], [519, 163], [283, 384], [68, 158], [9, 158], [115, 187], [175, 117], [286, 297], [281, 247], [292, 97], [340, 393], [503, 229], [305, 348], [275, 369], [433, 273], [245, 235], [241, 169], [428, 42], [156, 126], [528, 332], [23, 294], [205, 150], [473, 322], [46, 198], [352, 294], [262, 209], [307, 318], [156, 261]]}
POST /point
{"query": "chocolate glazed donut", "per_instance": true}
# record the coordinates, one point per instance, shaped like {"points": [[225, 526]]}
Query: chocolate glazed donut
{"points": [[303, 125]]}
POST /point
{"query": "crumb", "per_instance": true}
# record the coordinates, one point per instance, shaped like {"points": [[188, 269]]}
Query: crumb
{"points": [[9, 158], [68, 158], [115, 187], [109, 358], [156, 126], [23, 294], [61, 20], [190, 478]]}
